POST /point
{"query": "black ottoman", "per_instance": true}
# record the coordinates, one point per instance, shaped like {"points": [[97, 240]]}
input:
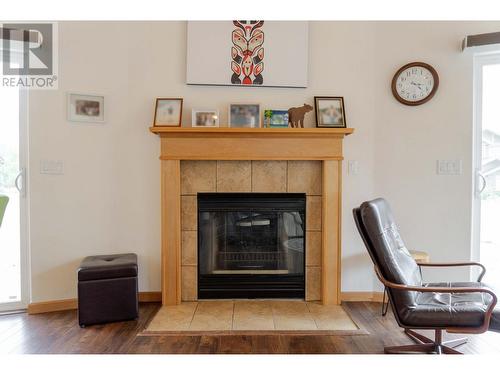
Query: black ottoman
{"points": [[107, 289]]}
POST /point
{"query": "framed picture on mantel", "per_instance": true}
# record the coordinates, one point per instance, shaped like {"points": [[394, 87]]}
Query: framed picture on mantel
{"points": [[244, 115], [168, 112], [330, 112], [205, 118]]}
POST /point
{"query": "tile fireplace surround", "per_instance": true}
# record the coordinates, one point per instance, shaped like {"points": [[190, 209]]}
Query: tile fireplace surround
{"points": [[250, 160]]}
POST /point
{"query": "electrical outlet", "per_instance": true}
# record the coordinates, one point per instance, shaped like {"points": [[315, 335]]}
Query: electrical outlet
{"points": [[449, 167], [52, 167]]}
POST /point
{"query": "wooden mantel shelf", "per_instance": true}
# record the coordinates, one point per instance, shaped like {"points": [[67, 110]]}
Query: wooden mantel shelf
{"points": [[251, 143], [254, 132]]}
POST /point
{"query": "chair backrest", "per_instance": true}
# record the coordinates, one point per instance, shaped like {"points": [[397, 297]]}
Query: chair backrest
{"points": [[387, 250], [3, 205]]}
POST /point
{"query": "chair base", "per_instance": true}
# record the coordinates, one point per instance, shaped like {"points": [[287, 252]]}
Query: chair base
{"points": [[426, 345]]}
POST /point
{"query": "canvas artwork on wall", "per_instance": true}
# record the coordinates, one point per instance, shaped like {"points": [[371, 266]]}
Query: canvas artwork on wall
{"points": [[247, 53]]}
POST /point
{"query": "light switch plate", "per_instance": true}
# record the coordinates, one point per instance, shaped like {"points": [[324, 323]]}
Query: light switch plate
{"points": [[353, 167], [52, 167], [449, 167]]}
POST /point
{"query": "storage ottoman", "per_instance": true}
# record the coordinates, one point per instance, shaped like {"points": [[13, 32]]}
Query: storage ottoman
{"points": [[107, 289]]}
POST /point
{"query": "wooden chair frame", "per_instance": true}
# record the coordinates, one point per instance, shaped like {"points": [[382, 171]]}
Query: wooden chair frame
{"points": [[424, 344]]}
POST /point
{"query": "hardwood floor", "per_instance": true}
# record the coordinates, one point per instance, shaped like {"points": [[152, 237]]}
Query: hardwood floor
{"points": [[59, 332]]}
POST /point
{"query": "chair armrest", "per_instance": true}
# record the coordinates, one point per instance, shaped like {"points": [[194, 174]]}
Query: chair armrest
{"points": [[459, 264], [451, 290]]}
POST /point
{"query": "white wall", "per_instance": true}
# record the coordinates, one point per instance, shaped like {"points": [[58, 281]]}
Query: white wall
{"points": [[433, 211], [108, 200]]}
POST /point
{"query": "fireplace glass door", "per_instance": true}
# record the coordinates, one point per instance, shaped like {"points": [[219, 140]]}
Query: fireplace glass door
{"points": [[251, 245]]}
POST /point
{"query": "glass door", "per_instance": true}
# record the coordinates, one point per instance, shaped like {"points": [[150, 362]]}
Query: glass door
{"points": [[487, 166], [13, 233]]}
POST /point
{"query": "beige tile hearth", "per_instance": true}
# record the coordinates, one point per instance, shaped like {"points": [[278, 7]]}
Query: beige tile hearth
{"points": [[174, 318], [290, 315], [251, 315], [322, 315], [213, 316]]}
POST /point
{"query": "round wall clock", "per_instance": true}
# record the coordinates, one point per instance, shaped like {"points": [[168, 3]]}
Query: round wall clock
{"points": [[415, 83]]}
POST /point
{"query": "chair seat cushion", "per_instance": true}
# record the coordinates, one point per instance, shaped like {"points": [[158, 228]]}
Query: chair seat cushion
{"points": [[495, 320], [449, 310], [114, 266]]}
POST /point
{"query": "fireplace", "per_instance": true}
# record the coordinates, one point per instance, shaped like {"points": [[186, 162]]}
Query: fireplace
{"points": [[251, 245], [196, 160]]}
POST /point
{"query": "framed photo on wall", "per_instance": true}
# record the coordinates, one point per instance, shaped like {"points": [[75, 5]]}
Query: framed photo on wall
{"points": [[330, 112], [244, 115], [168, 112], [205, 118], [85, 108]]}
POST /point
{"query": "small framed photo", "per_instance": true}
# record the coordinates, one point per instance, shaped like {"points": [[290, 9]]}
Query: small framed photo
{"points": [[330, 112], [244, 115], [276, 118], [168, 112], [85, 108], [205, 118]]}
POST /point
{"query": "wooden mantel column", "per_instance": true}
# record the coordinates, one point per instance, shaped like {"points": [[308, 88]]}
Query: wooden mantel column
{"points": [[324, 144], [331, 214], [171, 231]]}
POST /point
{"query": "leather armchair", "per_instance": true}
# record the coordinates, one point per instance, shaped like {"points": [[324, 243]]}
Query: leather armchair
{"points": [[457, 307]]}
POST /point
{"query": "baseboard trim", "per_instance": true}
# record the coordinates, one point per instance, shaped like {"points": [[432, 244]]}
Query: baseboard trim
{"points": [[149, 296], [72, 303], [362, 296], [51, 306]]}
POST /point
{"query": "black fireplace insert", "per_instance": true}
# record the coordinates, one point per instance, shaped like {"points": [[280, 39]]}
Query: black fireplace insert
{"points": [[251, 245]]}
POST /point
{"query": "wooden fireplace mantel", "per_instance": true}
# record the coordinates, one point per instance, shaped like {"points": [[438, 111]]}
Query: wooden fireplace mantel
{"points": [[265, 132], [324, 144], [251, 144]]}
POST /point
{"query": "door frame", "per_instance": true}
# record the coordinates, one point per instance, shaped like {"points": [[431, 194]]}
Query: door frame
{"points": [[479, 61], [24, 204], [25, 201]]}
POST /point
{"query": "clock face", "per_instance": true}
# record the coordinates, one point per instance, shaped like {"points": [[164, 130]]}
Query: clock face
{"points": [[415, 83]]}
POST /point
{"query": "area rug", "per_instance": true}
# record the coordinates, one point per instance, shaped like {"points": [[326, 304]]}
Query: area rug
{"points": [[252, 317]]}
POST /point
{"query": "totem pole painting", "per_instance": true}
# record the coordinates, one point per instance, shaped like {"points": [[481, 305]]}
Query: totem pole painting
{"points": [[247, 53], [251, 54]]}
